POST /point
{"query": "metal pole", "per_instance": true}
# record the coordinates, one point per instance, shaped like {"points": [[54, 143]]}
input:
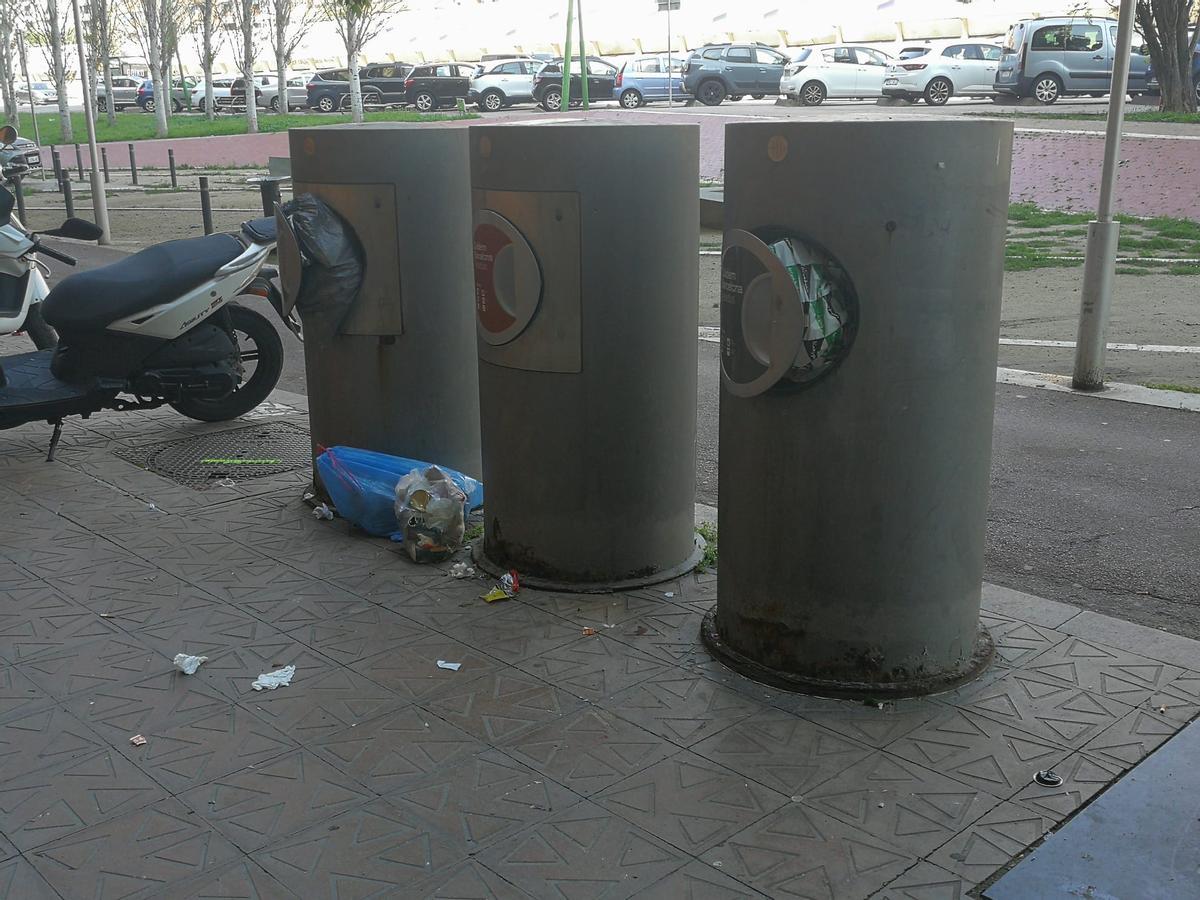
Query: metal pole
{"points": [[104, 160], [1099, 268], [20, 194], [270, 196], [132, 164], [565, 103], [29, 87], [583, 66], [69, 199], [670, 73], [99, 200], [56, 161], [79, 161], [205, 205], [171, 163]]}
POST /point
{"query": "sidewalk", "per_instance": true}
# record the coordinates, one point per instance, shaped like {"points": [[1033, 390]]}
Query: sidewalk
{"points": [[553, 763]]}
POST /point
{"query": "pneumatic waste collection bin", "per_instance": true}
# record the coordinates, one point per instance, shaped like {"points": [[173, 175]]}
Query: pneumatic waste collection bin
{"points": [[586, 309], [860, 311], [389, 348]]}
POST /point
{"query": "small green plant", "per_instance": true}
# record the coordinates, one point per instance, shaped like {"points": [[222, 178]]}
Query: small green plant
{"points": [[1029, 215], [708, 531], [1167, 386], [472, 534], [1186, 269]]}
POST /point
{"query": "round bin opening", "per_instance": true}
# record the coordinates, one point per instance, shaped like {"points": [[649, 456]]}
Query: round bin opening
{"points": [[508, 279]]}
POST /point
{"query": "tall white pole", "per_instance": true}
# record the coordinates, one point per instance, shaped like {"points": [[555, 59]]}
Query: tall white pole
{"points": [[1099, 268], [670, 71], [99, 201]]}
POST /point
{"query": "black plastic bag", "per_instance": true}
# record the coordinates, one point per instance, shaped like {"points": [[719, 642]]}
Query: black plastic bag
{"points": [[333, 263]]}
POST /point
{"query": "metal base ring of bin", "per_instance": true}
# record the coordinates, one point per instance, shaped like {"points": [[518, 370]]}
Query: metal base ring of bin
{"points": [[918, 686], [590, 587]]}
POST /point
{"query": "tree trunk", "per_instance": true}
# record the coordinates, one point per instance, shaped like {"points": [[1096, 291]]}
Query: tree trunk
{"points": [[206, 61], [356, 102], [281, 59], [104, 51], [1165, 26], [154, 36], [248, 65], [60, 72], [7, 69]]}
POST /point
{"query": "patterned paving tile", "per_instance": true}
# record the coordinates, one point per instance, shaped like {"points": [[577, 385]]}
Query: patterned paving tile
{"points": [[904, 804], [1132, 738], [989, 755], [18, 693], [367, 852], [671, 633], [361, 631], [799, 852], [1018, 642], [144, 604], [472, 881], [588, 750], [875, 726], [444, 610], [315, 601], [249, 581], [583, 851], [389, 751], [1083, 777], [684, 708], [205, 632], [782, 751], [697, 589], [925, 881], [596, 610], [1174, 705], [1187, 685], [413, 672], [1103, 671], [194, 753], [44, 737], [516, 632], [697, 881], [321, 703], [501, 705], [594, 667], [19, 879], [482, 800], [258, 806], [1054, 712], [46, 626], [240, 880], [39, 807], [232, 669], [992, 841], [136, 855], [689, 801]]}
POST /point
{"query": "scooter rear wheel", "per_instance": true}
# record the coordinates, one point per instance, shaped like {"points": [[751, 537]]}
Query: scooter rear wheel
{"points": [[258, 343]]}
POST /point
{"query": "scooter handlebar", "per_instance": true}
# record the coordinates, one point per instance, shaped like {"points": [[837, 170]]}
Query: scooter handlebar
{"points": [[54, 254]]}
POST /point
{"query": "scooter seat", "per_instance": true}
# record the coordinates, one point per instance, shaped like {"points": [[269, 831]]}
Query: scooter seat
{"points": [[261, 231], [92, 300]]}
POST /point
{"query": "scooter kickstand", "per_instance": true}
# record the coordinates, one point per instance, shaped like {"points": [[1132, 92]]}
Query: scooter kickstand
{"points": [[54, 439]]}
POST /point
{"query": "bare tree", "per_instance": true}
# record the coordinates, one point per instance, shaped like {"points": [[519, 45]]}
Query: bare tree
{"points": [[357, 22], [242, 12], [49, 26], [101, 26], [203, 15], [1165, 26], [7, 69], [145, 22], [290, 20]]}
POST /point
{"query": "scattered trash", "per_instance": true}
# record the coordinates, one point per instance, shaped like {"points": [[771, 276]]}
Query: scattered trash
{"points": [[137, 740], [717, 864], [1163, 710], [461, 570], [225, 482], [509, 587], [106, 615], [432, 512], [188, 664], [1048, 778], [669, 594], [151, 507], [268, 681], [496, 593], [323, 512], [453, 667], [362, 485], [588, 632]]}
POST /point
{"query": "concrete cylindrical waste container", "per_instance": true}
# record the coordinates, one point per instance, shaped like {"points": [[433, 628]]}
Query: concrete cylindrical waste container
{"points": [[397, 372], [586, 307], [860, 311]]}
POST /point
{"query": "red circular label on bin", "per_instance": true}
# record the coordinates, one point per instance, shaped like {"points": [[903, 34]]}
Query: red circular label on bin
{"points": [[489, 242]]}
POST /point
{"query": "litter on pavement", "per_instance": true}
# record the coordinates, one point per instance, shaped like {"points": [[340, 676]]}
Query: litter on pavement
{"points": [[188, 664], [461, 570], [137, 740], [453, 667], [323, 512], [268, 681]]}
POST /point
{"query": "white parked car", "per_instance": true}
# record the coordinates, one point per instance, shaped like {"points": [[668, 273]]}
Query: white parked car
{"points": [[964, 69], [503, 82], [840, 72], [221, 92]]}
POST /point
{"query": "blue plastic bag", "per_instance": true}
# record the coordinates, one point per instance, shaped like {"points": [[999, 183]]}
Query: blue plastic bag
{"points": [[362, 485]]}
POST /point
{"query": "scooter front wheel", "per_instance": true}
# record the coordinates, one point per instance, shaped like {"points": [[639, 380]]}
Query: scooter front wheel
{"points": [[261, 348]]}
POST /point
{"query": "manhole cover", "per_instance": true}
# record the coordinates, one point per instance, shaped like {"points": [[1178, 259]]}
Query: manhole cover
{"points": [[244, 453]]}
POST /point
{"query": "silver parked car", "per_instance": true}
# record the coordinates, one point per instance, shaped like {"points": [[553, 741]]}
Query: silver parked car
{"points": [[125, 92], [495, 85], [963, 69], [42, 92]]}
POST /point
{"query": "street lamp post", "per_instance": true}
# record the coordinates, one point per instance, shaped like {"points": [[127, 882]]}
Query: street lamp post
{"points": [[99, 201], [29, 87]]}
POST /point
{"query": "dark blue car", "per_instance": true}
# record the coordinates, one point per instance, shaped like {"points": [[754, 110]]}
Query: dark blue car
{"points": [[1152, 83]]}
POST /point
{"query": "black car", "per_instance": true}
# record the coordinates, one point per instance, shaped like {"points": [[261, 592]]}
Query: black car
{"points": [[716, 71], [383, 83], [547, 84], [437, 84], [328, 90]]}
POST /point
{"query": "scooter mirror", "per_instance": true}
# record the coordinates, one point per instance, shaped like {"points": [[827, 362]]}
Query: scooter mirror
{"points": [[77, 230], [8, 135]]}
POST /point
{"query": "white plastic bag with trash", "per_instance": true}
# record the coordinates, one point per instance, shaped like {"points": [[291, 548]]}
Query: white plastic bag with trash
{"points": [[432, 513]]}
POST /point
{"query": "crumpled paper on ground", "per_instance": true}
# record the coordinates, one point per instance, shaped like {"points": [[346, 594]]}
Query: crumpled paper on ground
{"points": [[268, 681], [188, 664]]}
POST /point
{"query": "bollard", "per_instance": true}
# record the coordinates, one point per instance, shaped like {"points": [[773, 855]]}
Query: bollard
{"points": [[79, 163], [69, 199], [171, 163], [19, 191], [58, 169], [132, 164], [104, 161], [205, 205], [270, 196]]}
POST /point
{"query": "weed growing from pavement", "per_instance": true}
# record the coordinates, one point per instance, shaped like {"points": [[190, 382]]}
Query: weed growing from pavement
{"points": [[708, 531], [1168, 386]]}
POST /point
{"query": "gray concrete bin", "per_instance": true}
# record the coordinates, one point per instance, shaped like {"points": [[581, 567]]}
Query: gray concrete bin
{"points": [[860, 312], [586, 305], [396, 373]]}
